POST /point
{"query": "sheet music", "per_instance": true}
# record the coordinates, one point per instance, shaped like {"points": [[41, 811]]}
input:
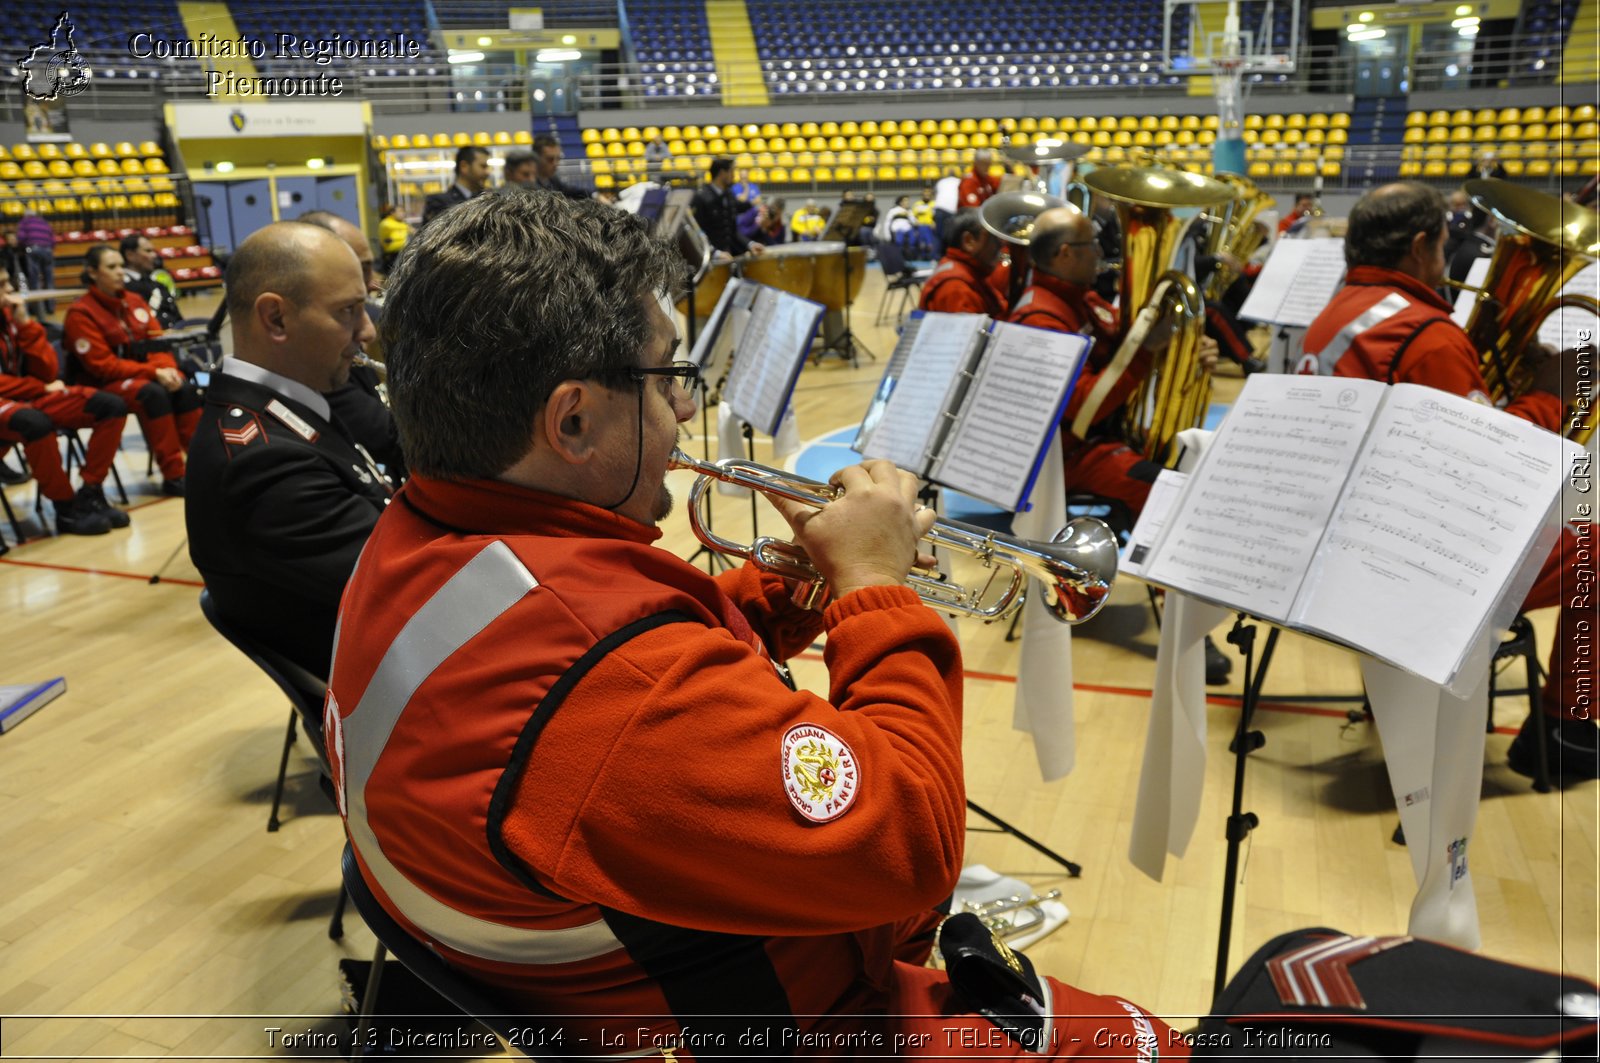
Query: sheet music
{"points": [[915, 412], [1163, 497], [891, 375], [768, 356], [1299, 279], [711, 346], [1257, 505], [1466, 300], [1013, 406], [1443, 503], [1563, 329]]}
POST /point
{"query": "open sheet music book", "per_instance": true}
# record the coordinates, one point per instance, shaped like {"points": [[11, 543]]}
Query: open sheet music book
{"points": [[973, 403], [767, 334], [1390, 519], [1299, 279]]}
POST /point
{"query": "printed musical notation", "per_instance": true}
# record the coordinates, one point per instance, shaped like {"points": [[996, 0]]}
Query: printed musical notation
{"points": [[1012, 406], [771, 349], [1388, 519]]}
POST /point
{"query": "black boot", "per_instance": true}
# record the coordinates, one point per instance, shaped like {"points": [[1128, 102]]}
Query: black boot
{"points": [[1570, 745], [74, 516], [172, 488], [1218, 666], [94, 495]]}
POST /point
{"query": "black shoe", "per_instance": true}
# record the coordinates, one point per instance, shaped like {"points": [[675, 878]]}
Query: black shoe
{"points": [[172, 488], [1218, 667], [77, 517], [1253, 365], [10, 477], [94, 495], [1570, 746]]}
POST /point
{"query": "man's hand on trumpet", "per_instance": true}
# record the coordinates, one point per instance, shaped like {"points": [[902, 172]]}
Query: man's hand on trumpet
{"points": [[868, 536]]}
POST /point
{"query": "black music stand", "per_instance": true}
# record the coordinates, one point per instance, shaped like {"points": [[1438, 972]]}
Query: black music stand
{"points": [[844, 228]]}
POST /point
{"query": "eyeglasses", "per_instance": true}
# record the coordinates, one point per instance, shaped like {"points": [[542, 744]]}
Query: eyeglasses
{"points": [[686, 373]]}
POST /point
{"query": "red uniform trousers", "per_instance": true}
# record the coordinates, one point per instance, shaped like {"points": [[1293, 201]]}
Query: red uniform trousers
{"points": [[65, 409], [166, 430], [1567, 580], [1106, 468]]}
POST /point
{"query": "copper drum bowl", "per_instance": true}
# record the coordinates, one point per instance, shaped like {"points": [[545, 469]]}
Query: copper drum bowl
{"points": [[787, 267], [708, 291], [828, 287]]}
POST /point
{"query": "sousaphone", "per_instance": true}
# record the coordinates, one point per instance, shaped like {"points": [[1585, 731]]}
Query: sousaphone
{"points": [[1176, 393]]}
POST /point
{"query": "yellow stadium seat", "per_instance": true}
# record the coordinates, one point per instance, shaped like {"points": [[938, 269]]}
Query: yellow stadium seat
{"points": [[1274, 121], [1513, 167], [1538, 168], [980, 140], [1029, 125], [849, 129], [1534, 131], [1460, 167], [1583, 112], [988, 125], [1585, 131], [1259, 169], [1252, 121], [1561, 131], [1122, 138], [959, 141], [1558, 113], [1434, 168], [1461, 134], [1590, 167], [1484, 115], [1330, 169], [830, 129]]}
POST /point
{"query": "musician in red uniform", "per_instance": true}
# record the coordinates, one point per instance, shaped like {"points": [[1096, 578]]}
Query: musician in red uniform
{"points": [[1388, 323], [978, 185], [34, 403], [115, 338], [1066, 260], [566, 758], [961, 281]]}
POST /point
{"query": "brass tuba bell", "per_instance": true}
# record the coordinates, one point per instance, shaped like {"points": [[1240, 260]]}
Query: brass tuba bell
{"points": [[1544, 242], [1010, 215], [1177, 392]]}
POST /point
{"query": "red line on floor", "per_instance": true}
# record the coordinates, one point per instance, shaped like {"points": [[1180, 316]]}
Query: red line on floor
{"points": [[1222, 700], [142, 577]]}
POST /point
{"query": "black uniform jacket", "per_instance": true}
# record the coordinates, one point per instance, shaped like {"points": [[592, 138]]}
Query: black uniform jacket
{"points": [[279, 503], [440, 202]]}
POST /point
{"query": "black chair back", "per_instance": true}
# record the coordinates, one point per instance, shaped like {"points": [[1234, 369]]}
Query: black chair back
{"points": [[892, 258], [305, 691], [420, 960]]}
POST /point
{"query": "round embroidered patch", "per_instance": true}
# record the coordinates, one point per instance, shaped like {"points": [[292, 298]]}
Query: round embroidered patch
{"points": [[82, 346], [141, 315], [820, 773]]}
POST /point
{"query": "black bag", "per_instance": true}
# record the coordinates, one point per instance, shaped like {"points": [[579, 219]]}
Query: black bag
{"points": [[993, 980], [1320, 993]]}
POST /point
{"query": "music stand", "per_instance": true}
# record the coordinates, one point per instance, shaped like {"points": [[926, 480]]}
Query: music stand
{"points": [[845, 226], [675, 223]]}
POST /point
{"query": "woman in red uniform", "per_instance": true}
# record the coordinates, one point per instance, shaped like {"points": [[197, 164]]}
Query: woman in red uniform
{"points": [[112, 336]]}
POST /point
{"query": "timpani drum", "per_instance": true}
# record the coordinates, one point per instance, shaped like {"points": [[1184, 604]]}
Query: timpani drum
{"points": [[708, 291], [787, 267], [828, 286]]}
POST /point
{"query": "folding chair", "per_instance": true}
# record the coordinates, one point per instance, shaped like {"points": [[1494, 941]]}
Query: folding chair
{"points": [[417, 958], [305, 692], [898, 277]]}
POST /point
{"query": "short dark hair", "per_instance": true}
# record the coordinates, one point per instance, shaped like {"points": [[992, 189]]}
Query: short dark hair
{"points": [[544, 140], [131, 243], [266, 265], [520, 158], [960, 224], [1385, 221], [92, 259], [497, 302], [720, 167], [468, 155]]}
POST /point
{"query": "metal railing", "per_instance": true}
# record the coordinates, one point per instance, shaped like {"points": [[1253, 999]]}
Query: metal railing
{"points": [[139, 86]]}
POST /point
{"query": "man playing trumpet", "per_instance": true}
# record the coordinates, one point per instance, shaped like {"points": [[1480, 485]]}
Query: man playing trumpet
{"points": [[566, 758]]}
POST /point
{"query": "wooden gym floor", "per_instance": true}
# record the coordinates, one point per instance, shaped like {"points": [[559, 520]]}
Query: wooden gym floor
{"points": [[145, 908]]}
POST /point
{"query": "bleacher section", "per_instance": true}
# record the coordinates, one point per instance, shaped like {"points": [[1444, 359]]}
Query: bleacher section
{"points": [[1545, 25], [1533, 142], [924, 150], [89, 186], [364, 20], [101, 31], [672, 47]]}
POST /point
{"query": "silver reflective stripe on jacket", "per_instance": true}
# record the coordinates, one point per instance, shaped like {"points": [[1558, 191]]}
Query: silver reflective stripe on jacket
{"points": [[1376, 314], [491, 583]]}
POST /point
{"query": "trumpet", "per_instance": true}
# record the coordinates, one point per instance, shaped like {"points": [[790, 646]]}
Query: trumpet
{"points": [[1077, 565], [1012, 915]]}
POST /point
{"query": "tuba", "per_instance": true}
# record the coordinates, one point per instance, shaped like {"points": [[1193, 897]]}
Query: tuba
{"points": [[1234, 230], [1010, 216], [1049, 156], [1544, 243], [1177, 392]]}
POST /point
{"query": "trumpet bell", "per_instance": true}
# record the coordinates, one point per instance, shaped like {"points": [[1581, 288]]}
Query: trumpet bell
{"points": [[1010, 215]]}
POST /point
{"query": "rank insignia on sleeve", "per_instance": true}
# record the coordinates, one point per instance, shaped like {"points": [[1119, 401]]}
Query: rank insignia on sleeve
{"points": [[820, 772], [243, 435]]}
